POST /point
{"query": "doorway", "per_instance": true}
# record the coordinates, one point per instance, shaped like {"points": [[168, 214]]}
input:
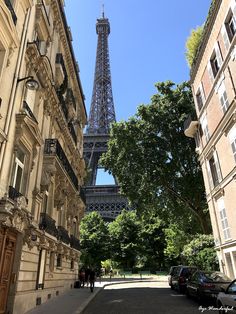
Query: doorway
{"points": [[7, 251]]}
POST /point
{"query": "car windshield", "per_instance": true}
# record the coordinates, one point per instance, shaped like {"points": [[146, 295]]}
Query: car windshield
{"points": [[188, 271], [215, 276]]}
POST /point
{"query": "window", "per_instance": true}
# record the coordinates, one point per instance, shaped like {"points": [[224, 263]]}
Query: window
{"points": [[232, 139], [215, 62], [72, 264], [231, 26], [200, 97], [205, 128], [223, 97], [51, 261], [232, 288], [223, 218], [214, 171], [59, 260], [19, 174], [215, 65], [41, 269], [45, 202]]}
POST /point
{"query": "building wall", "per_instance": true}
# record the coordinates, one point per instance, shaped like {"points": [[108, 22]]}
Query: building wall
{"points": [[41, 153], [216, 153]]}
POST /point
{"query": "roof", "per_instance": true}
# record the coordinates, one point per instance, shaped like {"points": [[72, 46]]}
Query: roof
{"points": [[212, 14]]}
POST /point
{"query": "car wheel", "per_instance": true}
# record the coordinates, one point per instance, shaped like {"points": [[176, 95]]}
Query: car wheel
{"points": [[219, 305], [171, 287], [187, 293], [199, 297]]}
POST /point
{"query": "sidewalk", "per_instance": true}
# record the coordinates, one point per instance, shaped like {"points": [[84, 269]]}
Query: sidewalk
{"points": [[74, 301]]}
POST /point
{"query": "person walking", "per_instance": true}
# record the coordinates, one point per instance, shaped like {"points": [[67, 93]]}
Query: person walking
{"points": [[92, 278], [87, 273]]}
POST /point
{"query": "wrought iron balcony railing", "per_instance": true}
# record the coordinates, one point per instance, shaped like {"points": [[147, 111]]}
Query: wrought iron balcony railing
{"points": [[11, 9], [53, 148], [72, 131], [13, 193], [47, 223], [63, 235], [63, 104], [83, 195], [74, 242], [70, 97], [29, 111]]}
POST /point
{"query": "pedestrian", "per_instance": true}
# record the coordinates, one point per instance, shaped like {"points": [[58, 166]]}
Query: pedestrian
{"points": [[82, 277], [92, 278], [87, 273]]}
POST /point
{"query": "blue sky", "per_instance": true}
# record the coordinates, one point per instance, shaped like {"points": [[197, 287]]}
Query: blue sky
{"points": [[146, 44]]}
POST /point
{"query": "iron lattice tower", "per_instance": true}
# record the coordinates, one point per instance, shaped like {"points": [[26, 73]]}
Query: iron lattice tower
{"points": [[102, 112], [102, 198]]}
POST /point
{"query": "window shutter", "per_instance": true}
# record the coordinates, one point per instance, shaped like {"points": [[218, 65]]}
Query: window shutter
{"points": [[233, 7], [225, 37], [218, 54], [202, 92], [217, 166], [210, 179], [209, 68]]}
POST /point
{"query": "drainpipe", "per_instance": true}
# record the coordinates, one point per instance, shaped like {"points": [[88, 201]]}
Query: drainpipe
{"points": [[21, 53]]}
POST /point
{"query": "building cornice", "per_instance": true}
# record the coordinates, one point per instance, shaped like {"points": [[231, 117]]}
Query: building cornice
{"points": [[209, 25], [60, 20]]}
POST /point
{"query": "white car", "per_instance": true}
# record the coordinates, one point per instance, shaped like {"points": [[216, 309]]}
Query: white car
{"points": [[226, 300]]}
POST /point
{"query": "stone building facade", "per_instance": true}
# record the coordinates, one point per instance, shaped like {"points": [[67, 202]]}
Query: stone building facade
{"points": [[213, 78], [42, 116]]}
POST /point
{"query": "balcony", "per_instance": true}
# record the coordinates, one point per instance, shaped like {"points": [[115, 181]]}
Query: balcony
{"points": [[74, 242], [13, 193], [47, 224], [83, 195], [61, 74], [63, 105], [190, 127], [53, 148], [71, 98], [63, 235], [72, 132], [10, 8]]}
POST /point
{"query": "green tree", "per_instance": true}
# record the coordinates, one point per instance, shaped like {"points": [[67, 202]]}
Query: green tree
{"points": [[155, 163], [200, 252], [94, 239], [124, 237], [152, 240], [192, 44], [175, 238]]}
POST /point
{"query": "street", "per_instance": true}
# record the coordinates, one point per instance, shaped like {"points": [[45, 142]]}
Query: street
{"points": [[143, 297]]}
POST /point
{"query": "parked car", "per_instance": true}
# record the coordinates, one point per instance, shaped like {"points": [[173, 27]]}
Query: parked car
{"points": [[204, 284], [227, 299], [171, 272], [180, 275]]}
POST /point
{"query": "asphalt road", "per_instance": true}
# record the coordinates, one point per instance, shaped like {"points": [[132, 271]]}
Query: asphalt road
{"points": [[144, 298]]}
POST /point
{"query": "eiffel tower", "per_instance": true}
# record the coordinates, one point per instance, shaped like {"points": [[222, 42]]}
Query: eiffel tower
{"points": [[104, 199]]}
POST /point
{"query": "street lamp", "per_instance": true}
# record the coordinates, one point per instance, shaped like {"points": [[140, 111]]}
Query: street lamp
{"points": [[31, 83]]}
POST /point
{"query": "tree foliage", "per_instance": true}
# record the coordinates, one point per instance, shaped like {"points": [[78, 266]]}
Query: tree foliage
{"points": [[192, 44], [155, 163], [152, 240], [200, 252], [124, 237], [94, 239]]}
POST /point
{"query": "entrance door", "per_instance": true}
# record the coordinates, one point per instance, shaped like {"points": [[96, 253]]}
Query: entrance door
{"points": [[7, 250]]}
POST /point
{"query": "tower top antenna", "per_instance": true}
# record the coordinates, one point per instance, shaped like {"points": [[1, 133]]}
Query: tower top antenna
{"points": [[103, 15]]}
